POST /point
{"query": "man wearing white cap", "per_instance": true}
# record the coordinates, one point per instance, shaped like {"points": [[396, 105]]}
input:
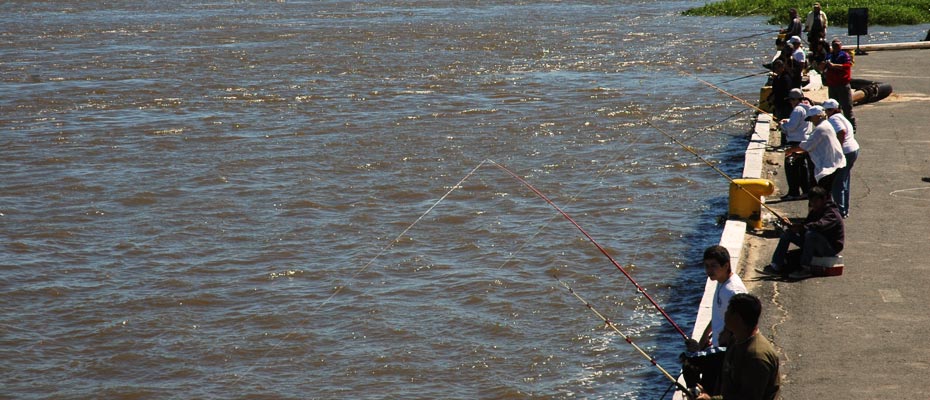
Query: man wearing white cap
{"points": [[845, 133], [823, 147], [796, 128], [798, 60]]}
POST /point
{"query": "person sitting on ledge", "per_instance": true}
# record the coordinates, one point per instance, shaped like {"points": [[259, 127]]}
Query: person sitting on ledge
{"points": [[704, 366], [750, 368], [820, 235]]}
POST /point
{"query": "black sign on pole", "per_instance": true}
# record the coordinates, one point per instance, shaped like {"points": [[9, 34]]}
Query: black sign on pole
{"points": [[858, 24]]}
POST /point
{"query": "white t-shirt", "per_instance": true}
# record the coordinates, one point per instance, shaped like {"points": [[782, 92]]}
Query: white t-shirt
{"points": [[722, 296], [799, 56], [825, 150], [840, 123]]}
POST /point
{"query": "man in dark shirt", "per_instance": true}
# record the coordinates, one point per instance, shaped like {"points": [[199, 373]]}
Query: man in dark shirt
{"points": [[820, 235], [750, 368], [781, 87], [794, 27]]}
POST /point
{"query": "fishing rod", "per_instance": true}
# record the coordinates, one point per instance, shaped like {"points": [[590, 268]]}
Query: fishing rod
{"points": [[744, 77], [627, 338], [691, 150], [717, 88], [758, 34], [596, 244]]}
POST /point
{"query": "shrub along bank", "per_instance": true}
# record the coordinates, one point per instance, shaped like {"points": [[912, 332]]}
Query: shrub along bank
{"points": [[881, 12]]}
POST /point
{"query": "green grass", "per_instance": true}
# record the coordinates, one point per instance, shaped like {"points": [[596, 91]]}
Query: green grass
{"points": [[881, 12]]}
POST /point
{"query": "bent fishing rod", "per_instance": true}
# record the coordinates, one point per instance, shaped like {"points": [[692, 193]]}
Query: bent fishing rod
{"points": [[596, 244], [691, 150], [610, 324]]}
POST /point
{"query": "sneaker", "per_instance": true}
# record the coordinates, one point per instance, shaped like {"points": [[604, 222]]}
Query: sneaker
{"points": [[770, 269], [803, 273], [789, 197]]}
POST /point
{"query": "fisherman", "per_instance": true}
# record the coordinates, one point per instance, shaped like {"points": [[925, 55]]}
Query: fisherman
{"points": [[704, 366], [781, 87], [750, 368], [816, 24], [794, 27], [823, 147], [798, 60], [819, 53], [820, 235], [838, 74], [796, 129], [846, 135]]}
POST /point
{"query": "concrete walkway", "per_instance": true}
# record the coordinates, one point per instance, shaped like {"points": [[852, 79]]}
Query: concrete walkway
{"points": [[865, 334]]}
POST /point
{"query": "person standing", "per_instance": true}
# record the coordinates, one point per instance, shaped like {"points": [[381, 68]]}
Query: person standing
{"points": [[823, 148], [705, 366], [798, 60], [816, 24], [845, 133], [838, 69], [781, 87], [793, 29], [796, 129], [750, 368], [794, 26]]}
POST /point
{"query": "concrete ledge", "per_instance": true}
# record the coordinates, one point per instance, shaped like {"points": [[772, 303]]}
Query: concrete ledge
{"points": [[734, 232], [758, 142]]}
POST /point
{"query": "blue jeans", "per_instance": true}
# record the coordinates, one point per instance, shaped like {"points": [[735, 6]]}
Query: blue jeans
{"points": [[813, 244], [841, 184]]}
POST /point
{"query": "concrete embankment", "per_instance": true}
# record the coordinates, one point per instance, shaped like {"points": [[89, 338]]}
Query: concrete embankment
{"points": [[861, 335]]}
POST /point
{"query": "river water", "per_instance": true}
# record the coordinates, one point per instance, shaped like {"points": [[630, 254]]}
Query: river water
{"points": [[229, 199]]}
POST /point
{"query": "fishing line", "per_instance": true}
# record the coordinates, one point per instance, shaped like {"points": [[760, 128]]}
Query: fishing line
{"points": [[741, 100], [612, 325], [744, 77], [572, 199], [407, 229], [718, 170], [373, 259], [708, 127], [757, 34], [739, 16], [596, 244]]}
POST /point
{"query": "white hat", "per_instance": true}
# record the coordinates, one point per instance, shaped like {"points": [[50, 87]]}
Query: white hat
{"points": [[795, 94], [794, 39], [814, 111], [830, 104]]}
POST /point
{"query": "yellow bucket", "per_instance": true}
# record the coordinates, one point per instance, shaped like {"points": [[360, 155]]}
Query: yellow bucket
{"points": [[748, 206]]}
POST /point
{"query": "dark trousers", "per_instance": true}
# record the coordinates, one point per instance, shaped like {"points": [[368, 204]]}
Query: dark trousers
{"points": [[704, 369], [843, 95], [798, 173]]}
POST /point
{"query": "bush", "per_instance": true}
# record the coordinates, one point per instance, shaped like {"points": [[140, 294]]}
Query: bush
{"points": [[881, 12]]}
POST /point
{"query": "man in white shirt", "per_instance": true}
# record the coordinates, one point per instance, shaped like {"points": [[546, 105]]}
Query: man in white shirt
{"points": [[823, 148], [708, 364], [796, 128], [846, 134]]}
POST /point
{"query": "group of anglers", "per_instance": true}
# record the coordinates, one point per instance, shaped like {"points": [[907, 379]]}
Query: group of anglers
{"points": [[820, 152]]}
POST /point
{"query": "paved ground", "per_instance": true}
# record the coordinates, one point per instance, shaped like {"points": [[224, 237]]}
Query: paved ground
{"points": [[865, 334]]}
